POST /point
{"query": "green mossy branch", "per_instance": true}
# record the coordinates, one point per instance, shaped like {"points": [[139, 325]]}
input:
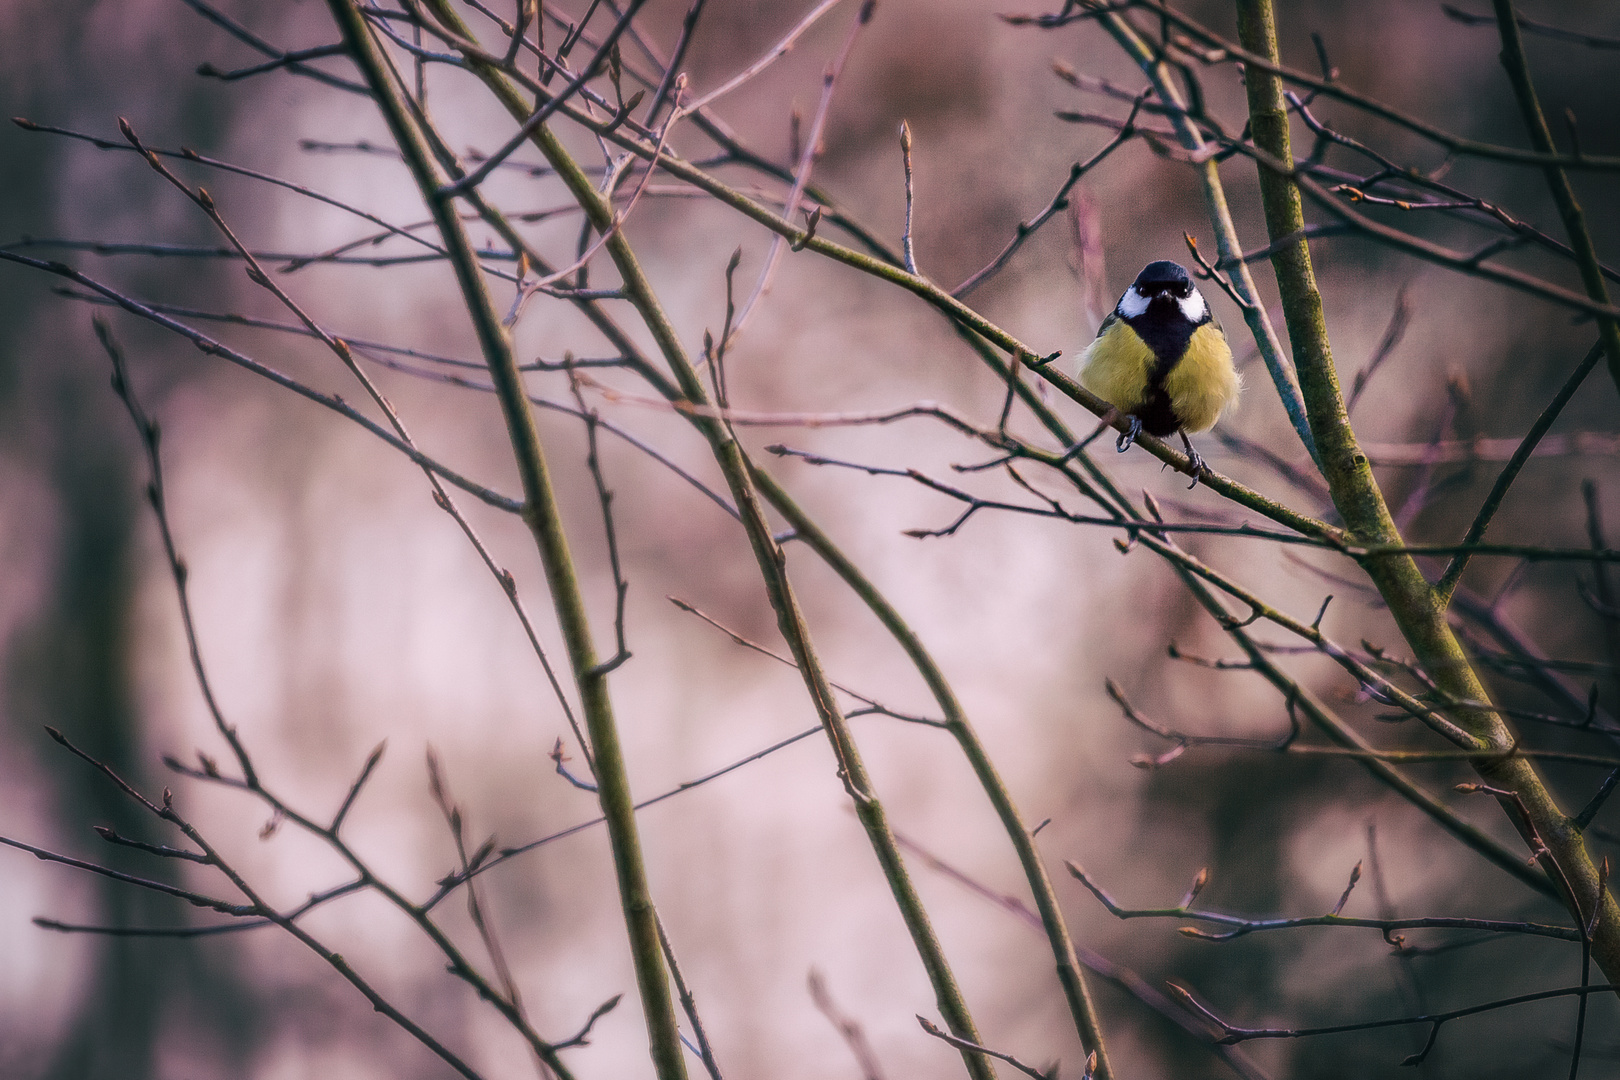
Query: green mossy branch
{"points": [[1411, 600], [541, 514]]}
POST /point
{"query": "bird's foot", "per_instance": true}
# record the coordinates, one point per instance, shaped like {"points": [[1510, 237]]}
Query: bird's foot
{"points": [[1128, 436], [1195, 462]]}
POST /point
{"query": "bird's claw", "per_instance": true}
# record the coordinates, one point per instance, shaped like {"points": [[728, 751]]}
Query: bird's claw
{"points": [[1196, 465], [1133, 428]]}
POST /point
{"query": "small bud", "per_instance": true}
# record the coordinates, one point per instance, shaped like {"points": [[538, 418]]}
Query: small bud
{"points": [[809, 231], [1152, 505], [1198, 884]]}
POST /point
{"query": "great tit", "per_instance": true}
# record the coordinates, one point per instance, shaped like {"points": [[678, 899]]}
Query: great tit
{"points": [[1162, 360]]}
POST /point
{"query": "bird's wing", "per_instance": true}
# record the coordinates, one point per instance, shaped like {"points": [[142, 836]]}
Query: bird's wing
{"points": [[1113, 317]]}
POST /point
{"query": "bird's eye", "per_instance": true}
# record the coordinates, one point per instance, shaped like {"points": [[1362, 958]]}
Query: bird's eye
{"points": [[1184, 290]]}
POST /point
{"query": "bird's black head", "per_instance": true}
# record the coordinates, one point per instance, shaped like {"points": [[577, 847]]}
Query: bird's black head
{"points": [[1163, 292], [1163, 277]]}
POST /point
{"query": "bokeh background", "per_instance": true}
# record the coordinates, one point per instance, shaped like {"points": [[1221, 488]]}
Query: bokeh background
{"points": [[337, 607]]}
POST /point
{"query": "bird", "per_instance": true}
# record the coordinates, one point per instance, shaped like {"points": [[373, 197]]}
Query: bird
{"points": [[1162, 361]]}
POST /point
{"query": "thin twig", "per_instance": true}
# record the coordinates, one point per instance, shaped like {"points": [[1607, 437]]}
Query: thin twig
{"points": [[456, 823], [1563, 193], [621, 586], [187, 154], [872, 704], [1049, 1073], [1122, 977], [243, 34], [688, 1002], [1399, 320], [545, 111], [661, 95], [1235, 1034], [1510, 472], [451, 883], [801, 177], [1060, 201], [1230, 52], [1591, 41], [908, 250], [1241, 927], [849, 1029], [774, 53]]}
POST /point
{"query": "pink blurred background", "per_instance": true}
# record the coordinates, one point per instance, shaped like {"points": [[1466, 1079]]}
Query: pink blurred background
{"points": [[337, 607]]}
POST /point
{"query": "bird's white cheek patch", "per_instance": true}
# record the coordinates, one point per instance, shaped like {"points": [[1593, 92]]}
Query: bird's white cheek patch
{"points": [[1132, 303], [1193, 307]]}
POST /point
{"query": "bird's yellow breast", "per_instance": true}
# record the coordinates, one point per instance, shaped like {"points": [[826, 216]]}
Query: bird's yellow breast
{"points": [[1116, 366], [1203, 382], [1119, 365]]}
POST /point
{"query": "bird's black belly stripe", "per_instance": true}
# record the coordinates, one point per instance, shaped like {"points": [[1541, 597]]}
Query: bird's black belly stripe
{"points": [[1158, 418], [1167, 334]]}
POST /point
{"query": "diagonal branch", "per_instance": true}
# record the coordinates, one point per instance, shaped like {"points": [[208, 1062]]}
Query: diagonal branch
{"points": [[541, 513], [1482, 521], [771, 560], [1569, 208], [1357, 495]]}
